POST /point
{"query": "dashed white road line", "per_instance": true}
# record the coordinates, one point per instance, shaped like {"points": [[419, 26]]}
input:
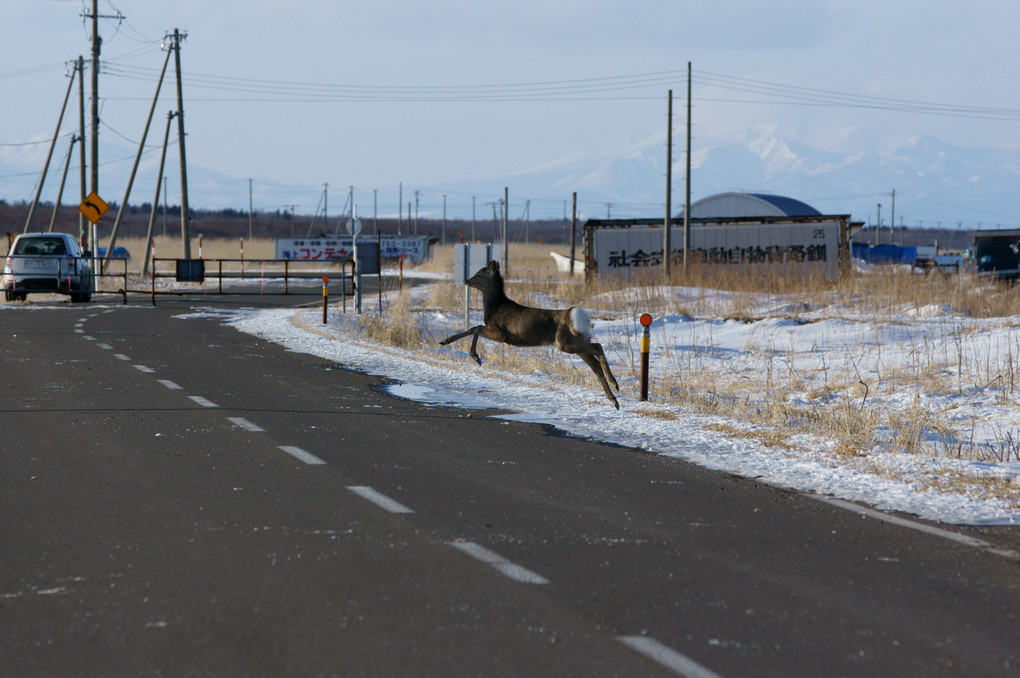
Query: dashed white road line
{"points": [[379, 499], [241, 422], [106, 347], [667, 656], [204, 402], [169, 384], [301, 455], [504, 566], [920, 527], [121, 356], [144, 368]]}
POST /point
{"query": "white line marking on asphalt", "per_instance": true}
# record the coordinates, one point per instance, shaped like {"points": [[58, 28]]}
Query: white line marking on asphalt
{"points": [[79, 330], [241, 422], [667, 656], [105, 346], [169, 384], [920, 527], [202, 401], [301, 455], [143, 368], [379, 499], [87, 337], [507, 568], [121, 356]]}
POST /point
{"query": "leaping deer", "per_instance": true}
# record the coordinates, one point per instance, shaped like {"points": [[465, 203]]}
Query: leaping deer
{"points": [[506, 321]]}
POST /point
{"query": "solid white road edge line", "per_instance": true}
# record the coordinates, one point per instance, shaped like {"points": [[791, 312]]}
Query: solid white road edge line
{"points": [[667, 656], [241, 422], [920, 527], [504, 566], [301, 455], [379, 499]]}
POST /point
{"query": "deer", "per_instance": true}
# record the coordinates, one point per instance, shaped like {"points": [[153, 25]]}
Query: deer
{"points": [[511, 323]]}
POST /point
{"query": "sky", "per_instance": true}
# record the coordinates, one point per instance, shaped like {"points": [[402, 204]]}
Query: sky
{"points": [[377, 94]]}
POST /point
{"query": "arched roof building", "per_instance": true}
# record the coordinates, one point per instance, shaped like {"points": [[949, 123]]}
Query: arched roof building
{"points": [[734, 205]]}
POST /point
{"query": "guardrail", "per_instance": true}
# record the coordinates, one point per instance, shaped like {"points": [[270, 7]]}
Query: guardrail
{"points": [[263, 270]]}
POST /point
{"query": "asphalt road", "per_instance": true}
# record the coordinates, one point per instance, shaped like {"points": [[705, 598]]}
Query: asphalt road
{"points": [[178, 498]]}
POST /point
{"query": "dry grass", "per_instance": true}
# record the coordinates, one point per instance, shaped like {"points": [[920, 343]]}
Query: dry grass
{"points": [[778, 398], [212, 248]]}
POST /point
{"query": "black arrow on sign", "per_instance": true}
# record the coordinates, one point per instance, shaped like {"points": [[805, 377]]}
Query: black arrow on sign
{"points": [[99, 212]]}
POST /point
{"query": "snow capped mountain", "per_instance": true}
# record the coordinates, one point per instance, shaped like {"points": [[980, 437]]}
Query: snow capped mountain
{"points": [[935, 182]]}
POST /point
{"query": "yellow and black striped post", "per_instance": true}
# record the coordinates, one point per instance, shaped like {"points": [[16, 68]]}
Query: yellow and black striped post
{"points": [[646, 345], [325, 297]]}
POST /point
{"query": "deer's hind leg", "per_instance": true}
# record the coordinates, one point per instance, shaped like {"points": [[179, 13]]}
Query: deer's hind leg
{"points": [[596, 366], [601, 355]]}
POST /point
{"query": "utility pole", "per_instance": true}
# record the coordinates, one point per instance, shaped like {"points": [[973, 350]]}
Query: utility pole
{"points": [[506, 241], [527, 221], [573, 233], [155, 200], [417, 194], [134, 168], [251, 216], [472, 218], [49, 156], [444, 219], [96, 48], [687, 188], [400, 208], [878, 226], [892, 219], [666, 239], [82, 230], [375, 209], [175, 45]]}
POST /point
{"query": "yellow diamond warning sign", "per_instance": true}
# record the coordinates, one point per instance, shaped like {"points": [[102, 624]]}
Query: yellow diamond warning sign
{"points": [[93, 207]]}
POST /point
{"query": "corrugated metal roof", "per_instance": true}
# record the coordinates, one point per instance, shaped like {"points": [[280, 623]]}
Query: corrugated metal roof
{"points": [[791, 207], [735, 204]]}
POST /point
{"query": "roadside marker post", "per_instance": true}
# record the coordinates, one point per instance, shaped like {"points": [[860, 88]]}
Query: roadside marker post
{"points": [[646, 341], [325, 297]]}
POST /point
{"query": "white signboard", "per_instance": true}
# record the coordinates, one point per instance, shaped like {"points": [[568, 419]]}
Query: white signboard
{"points": [[467, 259], [414, 248], [625, 250]]}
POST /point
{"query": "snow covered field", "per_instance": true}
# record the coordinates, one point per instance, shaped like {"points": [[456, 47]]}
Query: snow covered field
{"points": [[948, 376]]}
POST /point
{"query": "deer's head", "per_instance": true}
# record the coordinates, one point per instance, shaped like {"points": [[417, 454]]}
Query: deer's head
{"points": [[487, 278]]}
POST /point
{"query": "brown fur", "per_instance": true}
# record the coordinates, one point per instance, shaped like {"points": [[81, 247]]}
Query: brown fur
{"points": [[511, 323]]}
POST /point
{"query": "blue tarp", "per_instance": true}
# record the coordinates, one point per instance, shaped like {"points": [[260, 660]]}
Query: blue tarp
{"points": [[884, 254]]}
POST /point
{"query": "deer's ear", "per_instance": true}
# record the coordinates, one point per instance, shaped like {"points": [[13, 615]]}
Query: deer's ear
{"points": [[494, 266]]}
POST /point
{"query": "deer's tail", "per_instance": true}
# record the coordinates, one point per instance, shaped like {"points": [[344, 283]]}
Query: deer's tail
{"points": [[581, 322]]}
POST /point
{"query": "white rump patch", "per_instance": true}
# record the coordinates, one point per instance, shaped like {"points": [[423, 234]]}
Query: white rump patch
{"points": [[581, 322]]}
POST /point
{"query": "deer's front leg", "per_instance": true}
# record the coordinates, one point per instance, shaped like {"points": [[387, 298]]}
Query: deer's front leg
{"points": [[474, 344]]}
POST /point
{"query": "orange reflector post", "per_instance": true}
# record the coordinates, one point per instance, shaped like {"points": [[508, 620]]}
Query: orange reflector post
{"points": [[646, 345], [325, 297]]}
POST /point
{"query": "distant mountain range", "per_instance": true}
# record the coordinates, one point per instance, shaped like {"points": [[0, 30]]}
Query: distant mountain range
{"points": [[935, 183]]}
